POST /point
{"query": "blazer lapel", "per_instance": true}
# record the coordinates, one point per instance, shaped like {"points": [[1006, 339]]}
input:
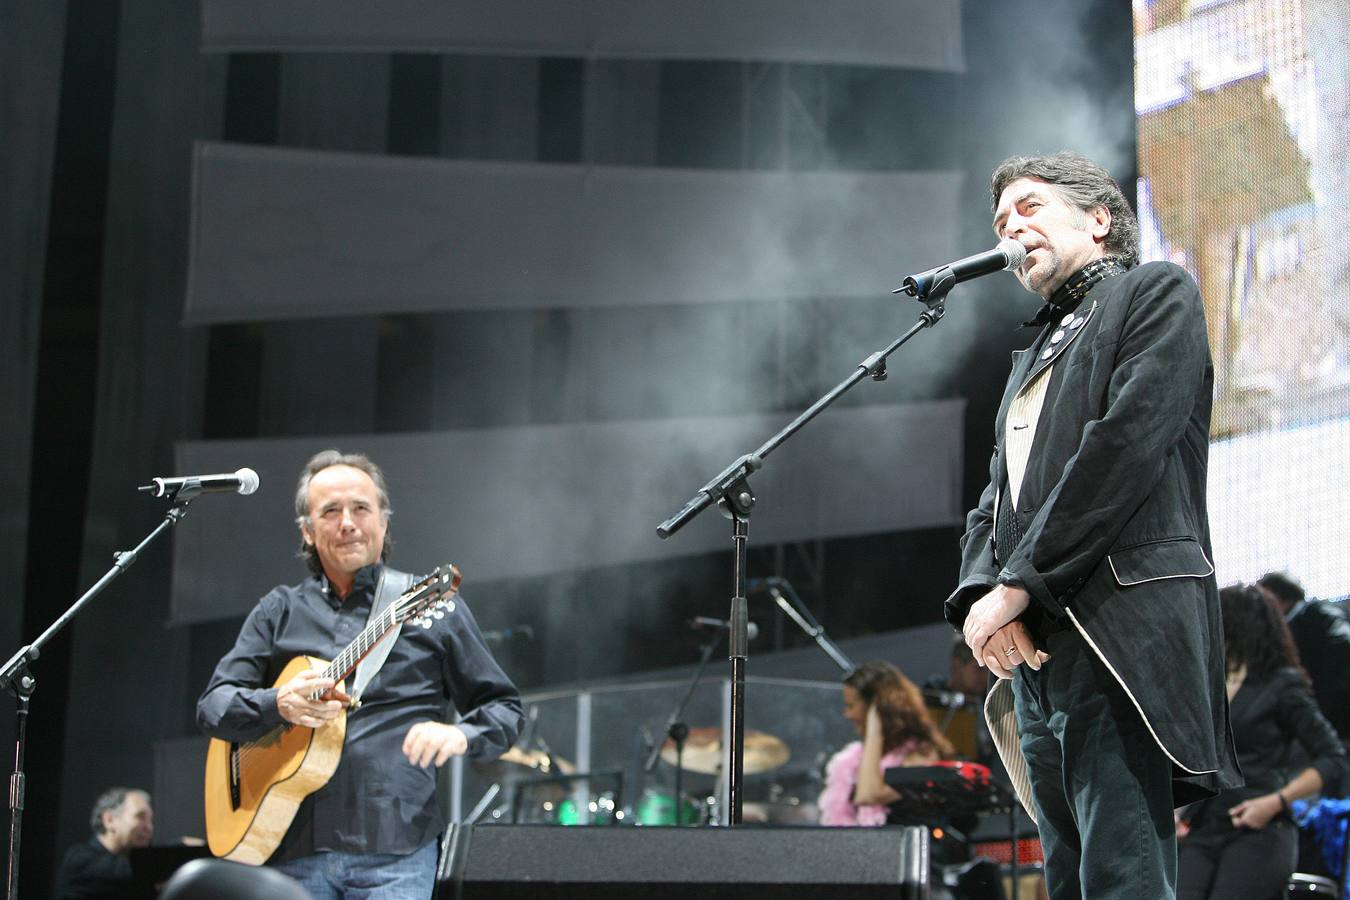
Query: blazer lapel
{"points": [[1065, 332]]}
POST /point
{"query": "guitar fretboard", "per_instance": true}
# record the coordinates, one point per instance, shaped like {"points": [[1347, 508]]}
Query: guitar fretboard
{"points": [[346, 661], [425, 592]]}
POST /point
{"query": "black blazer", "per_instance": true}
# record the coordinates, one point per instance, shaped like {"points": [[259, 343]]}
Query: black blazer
{"points": [[1112, 511], [1274, 717]]}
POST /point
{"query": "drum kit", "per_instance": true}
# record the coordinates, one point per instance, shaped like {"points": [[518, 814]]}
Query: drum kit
{"points": [[540, 786]]}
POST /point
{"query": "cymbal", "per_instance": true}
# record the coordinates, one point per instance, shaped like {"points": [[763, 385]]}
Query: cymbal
{"points": [[536, 760], [703, 751]]}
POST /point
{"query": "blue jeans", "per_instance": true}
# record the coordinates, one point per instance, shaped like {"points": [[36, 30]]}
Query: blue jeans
{"points": [[366, 876]]}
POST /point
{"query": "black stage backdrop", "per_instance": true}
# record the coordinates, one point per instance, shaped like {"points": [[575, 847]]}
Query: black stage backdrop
{"points": [[30, 77]]}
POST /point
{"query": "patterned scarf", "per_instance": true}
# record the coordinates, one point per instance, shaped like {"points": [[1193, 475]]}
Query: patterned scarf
{"points": [[1071, 293]]}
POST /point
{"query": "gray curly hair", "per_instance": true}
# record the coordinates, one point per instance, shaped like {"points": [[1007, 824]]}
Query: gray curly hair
{"points": [[1084, 185]]}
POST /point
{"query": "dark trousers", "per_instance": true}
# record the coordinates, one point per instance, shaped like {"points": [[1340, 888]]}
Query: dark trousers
{"points": [[1216, 861], [1102, 787]]}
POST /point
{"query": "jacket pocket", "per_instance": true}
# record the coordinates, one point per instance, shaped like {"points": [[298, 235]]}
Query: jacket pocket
{"points": [[1158, 560]]}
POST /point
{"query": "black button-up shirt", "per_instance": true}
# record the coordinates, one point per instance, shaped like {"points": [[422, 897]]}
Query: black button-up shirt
{"points": [[92, 870], [376, 801], [1321, 631]]}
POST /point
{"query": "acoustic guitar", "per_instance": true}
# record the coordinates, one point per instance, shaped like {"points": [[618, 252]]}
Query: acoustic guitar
{"points": [[254, 789]]}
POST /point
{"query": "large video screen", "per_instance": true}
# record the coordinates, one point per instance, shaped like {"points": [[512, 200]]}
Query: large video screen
{"points": [[1243, 110]]}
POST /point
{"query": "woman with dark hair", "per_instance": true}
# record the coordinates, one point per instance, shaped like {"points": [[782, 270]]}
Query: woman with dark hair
{"points": [[889, 714], [1244, 842]]}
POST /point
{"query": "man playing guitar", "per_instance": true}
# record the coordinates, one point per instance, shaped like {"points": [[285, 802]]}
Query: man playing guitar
{"points": [[375, 822]]}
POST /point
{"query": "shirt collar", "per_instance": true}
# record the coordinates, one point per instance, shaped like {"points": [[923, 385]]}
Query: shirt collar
{"points": [[366, 579]]}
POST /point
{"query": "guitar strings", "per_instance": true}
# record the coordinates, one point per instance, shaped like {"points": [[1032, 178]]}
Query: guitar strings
{"points": [[338, 665], [396, 612]]}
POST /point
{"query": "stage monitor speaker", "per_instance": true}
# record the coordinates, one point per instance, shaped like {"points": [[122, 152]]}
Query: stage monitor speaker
{"points": [[748, 861]]}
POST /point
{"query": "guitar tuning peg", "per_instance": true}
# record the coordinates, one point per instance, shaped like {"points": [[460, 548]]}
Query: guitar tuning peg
{"points": [[426, 623], [439, 614]]}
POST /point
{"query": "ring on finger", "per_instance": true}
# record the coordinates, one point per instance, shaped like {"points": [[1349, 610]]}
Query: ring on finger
{"points": [[1010, 651]]}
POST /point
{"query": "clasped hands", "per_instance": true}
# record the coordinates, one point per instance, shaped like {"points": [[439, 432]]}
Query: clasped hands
{"points": [[996, 639], [425, 743]]}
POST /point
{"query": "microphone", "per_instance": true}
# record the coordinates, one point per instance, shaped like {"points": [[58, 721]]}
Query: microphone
{"points": [[945, 698], [505, 634], [1007, 256], [697, 622], [244, 481]]}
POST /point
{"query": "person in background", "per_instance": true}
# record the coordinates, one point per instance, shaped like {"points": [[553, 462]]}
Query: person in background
{"points": [[122, 818], [889, 715], [1244, 842], [1321, 632], [956, 703], [964, 674]]}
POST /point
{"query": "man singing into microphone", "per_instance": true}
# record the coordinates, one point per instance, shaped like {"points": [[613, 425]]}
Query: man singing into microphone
{"points": [[1086, 584], [371, 829]]}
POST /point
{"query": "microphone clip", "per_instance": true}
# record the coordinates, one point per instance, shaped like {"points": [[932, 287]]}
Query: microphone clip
{"points": [[931, 287], [933, 293]]}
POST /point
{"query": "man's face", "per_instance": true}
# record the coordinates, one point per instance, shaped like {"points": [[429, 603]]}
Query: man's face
{"points": [[346, 525], [130, 825], [965, 676], [1060, 238]]}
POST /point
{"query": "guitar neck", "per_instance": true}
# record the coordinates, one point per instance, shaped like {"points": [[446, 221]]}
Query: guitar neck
{"points": [[346, 661], [425, 592]]}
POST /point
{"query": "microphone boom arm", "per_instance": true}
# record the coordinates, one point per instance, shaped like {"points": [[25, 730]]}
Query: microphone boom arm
{"points": [[798, 612]]}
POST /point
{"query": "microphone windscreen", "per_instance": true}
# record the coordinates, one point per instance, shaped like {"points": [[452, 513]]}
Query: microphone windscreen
{"points": [[1016, 253], [248, 480]]}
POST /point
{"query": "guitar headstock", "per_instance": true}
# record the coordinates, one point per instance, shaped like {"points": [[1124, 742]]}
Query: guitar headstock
{"points": [[431, 597]]}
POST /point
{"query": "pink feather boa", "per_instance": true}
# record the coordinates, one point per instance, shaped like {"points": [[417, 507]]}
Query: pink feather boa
{"points": [[841, 774]]}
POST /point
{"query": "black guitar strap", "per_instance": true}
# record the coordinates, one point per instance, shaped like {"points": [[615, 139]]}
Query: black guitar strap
{"points": [[393, 584]]}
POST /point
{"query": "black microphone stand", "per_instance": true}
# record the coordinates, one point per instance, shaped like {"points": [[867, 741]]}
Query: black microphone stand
{"points": [[731, 491], [679, 731], [19, 681]]}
